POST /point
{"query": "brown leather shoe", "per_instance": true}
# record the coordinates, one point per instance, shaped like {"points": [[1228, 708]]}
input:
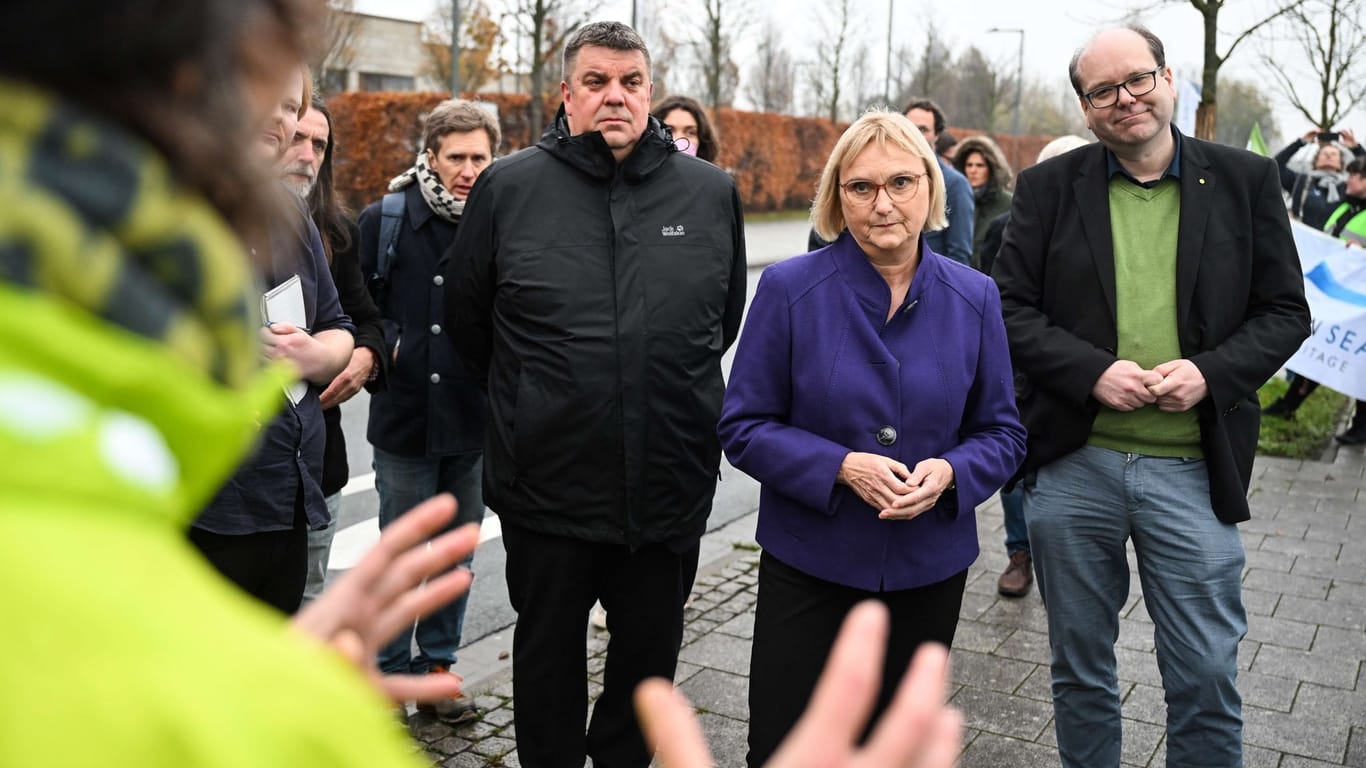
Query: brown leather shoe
{"points": [[1017, 577]]}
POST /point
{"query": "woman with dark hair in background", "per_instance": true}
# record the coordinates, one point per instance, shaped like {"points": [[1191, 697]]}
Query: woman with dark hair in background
{"points": [[692, 131], [982, 162]]}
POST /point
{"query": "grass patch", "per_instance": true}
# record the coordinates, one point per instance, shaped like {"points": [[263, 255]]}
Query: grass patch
{"points": [[1307, 435]]}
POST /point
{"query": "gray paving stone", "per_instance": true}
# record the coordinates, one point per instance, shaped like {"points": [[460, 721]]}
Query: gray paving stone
{"points": [[720, 692], [1135, 635], [494, 746], [1328, 488], [1324, 668], [1327, 550], [727, 738], [1271, 581], [684, 670], [1141, 742], [1145, 704], [1269, 526], [1137, 667], [1291, 761], [1256, 757], [1267, 691], [1260, 602], [1356, 749], [466, 760], [1322, 612], [740, 626], [999, 713], [718, 651], [1282, 632], [980, 670], [1038, 686], [1293, 733], [1343, 643], [498, 717], [1027, 645], [1025, 613], [1351, 594], [1340, 572], [1270, 557], [990, 750], [976, 606], [449, 745], [980, 637]]}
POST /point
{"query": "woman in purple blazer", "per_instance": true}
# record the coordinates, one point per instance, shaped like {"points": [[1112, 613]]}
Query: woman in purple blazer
{"points": [[872, 398]]}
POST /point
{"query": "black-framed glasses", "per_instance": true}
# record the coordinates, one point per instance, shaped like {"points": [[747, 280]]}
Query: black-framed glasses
{"points": [[899, 188], [1108, 95]]}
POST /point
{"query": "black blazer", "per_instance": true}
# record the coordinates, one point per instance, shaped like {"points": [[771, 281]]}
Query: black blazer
{"points": [[1240, 303]]}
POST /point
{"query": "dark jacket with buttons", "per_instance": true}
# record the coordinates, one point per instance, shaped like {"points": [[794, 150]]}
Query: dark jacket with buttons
{"points": [[1240, 301], [430, 405], [599, 299], [821, 372]]}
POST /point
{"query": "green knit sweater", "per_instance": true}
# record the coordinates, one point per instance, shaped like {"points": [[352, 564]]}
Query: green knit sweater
{"points": [[1144, 224]]}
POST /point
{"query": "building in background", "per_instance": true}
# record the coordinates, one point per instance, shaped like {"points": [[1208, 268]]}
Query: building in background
{"points": [[375, 53]]}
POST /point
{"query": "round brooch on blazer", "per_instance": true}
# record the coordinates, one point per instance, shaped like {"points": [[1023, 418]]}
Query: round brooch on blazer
{"points": [[886, 435]]}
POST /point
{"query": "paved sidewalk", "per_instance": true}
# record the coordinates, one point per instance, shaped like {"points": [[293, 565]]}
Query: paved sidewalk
{"points": [[1303, 675]]}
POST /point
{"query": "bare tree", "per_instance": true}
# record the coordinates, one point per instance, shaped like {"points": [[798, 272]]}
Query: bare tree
{"points": [[1242, 105], [982, 90], [481, 43], [340, 26], [1331, 41], [665, 51], [932, 74], [547, 25], [832, 56], [721, 24], [773, 76], [1206, 115]]}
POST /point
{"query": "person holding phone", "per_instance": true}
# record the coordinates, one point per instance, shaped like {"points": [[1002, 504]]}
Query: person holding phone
{"points": [[1316, 194]]}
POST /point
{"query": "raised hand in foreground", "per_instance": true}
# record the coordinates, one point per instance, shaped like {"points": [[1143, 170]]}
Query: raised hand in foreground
{"points": [[384, 593], [917, 730]]}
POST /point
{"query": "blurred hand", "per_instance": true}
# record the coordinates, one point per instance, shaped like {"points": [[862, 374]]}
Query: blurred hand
{"points": [[876, 479], [351, 379], [927, 481], [1181, 387], [384, 594], [1349, 137], [1124, 386], [917, 731]]}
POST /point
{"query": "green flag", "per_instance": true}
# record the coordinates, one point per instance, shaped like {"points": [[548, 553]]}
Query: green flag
{"points": [[1255, 142]]}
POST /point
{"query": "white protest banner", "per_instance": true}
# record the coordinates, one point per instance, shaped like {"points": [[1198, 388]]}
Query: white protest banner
{"points": [[1335, 285]]}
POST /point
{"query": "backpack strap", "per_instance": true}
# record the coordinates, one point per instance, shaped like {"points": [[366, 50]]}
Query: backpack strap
{"points": [[391, 220]]}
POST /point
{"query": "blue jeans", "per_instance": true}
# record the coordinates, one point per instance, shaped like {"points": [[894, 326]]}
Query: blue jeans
{"points": [[320, 549], [403, 483], [1081, 509], [1012, 506]]}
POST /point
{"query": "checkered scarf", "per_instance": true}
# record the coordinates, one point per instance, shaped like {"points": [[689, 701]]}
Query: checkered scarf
{"points": [[438, 198]]}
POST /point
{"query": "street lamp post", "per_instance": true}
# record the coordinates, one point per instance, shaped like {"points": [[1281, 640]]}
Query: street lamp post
{"points": [[887, 84], [455, 49], [1019, 85]]}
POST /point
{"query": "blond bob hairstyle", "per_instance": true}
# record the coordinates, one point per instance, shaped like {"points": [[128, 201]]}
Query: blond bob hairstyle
{"points": [[883, 127]]}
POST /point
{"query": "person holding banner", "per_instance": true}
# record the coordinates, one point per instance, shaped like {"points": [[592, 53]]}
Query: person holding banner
{"points": [[1347, 222]]}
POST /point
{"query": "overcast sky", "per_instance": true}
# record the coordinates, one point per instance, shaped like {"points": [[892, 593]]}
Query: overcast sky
{"points": [[1050, 36]]}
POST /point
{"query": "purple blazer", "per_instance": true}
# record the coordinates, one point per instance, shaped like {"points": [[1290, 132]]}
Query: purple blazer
{"points": [[818, 374]]}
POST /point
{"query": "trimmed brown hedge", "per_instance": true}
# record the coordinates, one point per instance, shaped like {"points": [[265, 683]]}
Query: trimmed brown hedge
{"points": [[776, 159]]}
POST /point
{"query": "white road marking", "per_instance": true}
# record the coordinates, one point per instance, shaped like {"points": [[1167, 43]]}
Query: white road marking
{"points": [[352, 542]]}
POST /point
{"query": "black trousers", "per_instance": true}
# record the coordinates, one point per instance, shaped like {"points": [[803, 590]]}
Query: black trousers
{"points": [[270, 566], [796, 620], [553, 582]]}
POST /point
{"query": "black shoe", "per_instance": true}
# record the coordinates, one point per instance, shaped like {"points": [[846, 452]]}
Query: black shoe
{"points": [[1282, 408], [1354, 436]]}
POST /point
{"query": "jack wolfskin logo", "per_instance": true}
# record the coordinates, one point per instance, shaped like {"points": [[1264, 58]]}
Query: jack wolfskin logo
{"points": [[676, 231]]}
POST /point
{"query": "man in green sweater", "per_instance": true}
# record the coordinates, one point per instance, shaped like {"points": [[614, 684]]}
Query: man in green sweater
{"points": [[1149, 285]]}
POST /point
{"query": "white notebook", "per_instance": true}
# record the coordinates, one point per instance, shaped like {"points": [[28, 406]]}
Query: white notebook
{"points": [[285, 304]]}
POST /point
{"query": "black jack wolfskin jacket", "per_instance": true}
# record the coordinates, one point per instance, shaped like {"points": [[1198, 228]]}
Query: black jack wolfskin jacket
{"points": [[598, 299]]}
